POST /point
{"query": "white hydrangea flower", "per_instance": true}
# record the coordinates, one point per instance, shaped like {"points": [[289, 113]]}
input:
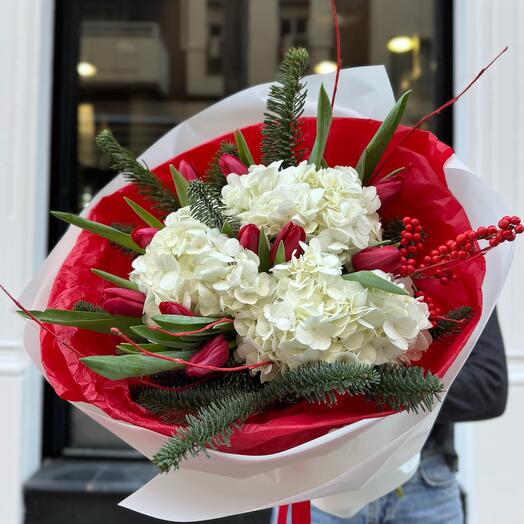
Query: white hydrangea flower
{"points": [[197, 266], [328, 203], [317, 315]]}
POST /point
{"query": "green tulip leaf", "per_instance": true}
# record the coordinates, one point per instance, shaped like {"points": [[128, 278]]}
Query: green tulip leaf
{"points": [[324, 117], [373, 152], [243, 149], [372, 280], [180, 186], [145, 215], [108, 232], [118, 281]]}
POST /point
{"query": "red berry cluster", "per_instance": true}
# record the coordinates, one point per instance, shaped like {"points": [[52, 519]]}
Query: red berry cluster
{"points": [[434, 310], [412, 239], [464, 245]]}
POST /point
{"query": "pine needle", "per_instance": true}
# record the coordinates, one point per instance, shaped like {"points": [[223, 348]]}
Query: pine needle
{"points": [[406, 387], [123, 161], [282, 135], [84, 305], [206, 206], [453, 323]]}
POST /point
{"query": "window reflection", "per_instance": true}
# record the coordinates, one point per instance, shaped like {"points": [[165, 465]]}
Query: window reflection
{"points": [[146, 66]]}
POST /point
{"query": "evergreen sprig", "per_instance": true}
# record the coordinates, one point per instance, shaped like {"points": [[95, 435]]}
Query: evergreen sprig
{"points": [[453, 323], [214, 175], [406, 387], [84, 305], [392, 230], [206, 206], [214, 423], [281, 134], [148, 184]]}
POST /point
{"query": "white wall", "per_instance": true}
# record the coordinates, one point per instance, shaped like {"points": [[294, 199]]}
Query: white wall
{"points": [[489, 136], [26, 31]]}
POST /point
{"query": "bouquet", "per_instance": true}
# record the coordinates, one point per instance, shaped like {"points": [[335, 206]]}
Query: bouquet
{"points": [[291, 298]]}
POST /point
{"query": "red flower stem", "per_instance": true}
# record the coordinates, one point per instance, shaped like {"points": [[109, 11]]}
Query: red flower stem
{"points": [[438, 317], [339, 59], [441, 108], [184, 333], [39, 322], [183, 362], [150, 383], [450, 264]]}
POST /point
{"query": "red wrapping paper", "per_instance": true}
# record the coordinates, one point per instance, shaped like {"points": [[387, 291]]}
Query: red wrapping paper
{"points": [[425, 195]]}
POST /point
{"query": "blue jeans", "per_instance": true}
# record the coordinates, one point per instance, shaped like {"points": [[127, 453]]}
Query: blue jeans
{"points": [[432, 496]]}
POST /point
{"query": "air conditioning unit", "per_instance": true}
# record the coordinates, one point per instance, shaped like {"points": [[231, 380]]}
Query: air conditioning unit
{"points": [[124, 54]]}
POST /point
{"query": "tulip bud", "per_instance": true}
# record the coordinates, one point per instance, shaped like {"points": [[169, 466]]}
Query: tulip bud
{"points": [[143, 235], [385, 258], [389, 190], [231, 164], [215, 352], [174, 308], [187, 170], [120, 301], [291, 235], [248, 236]]}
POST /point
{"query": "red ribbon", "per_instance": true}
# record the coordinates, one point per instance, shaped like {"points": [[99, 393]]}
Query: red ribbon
{"points": [[300, 513]]}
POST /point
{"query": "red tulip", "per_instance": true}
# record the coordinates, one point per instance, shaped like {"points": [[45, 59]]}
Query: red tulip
{"points": [[389, 190], [174, 308], [385, 258], [231, 164], [248, 236], [291, 235], [215, 352], [187, 170], [120, 301], [143, 235]]}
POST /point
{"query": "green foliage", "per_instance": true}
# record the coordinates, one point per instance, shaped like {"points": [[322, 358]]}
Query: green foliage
{"points": [[98, 321], [282, 136], [180, 186], [84, 305], [123, 161], [117, 367], [243, 149], [392, 230], [110, 233], [454, 322], [406, 387], [324, 117], [372, 280], [214, 423], [373, 152], [145, 215], [118, 281], [170, 404], [206, 205], [214, 176]]}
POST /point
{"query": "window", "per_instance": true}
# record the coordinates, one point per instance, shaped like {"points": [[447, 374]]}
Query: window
{"points": [[140, 68]]}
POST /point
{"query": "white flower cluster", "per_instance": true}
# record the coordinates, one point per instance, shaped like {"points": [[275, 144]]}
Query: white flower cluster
{"points": [[189, 263], [317, 315], [302, 310], [330, 204]]}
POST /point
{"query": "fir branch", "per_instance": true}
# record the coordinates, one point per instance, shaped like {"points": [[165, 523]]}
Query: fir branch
{"points": [[282, 135], [84, 305], [125, 228], [406, 387], [213, 425], [214, 176], [148, 184], [453, 323], [206, 206], [392, 230]]}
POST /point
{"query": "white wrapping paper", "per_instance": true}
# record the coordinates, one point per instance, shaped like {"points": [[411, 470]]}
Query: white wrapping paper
{"points": [[345, 469]]}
